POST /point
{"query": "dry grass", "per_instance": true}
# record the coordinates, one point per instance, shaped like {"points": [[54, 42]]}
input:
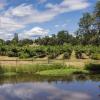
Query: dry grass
{"points": [[60, 56], [70, 62]]}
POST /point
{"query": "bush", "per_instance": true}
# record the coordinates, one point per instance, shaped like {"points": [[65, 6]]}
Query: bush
{"points": [[95, 56], [23, 55], [53, 55], [93, 67], [67, 55], [12, 54], [42, 55], [78, 54]]}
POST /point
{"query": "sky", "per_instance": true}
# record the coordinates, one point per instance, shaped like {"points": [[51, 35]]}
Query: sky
{"points": [[38, 18]]}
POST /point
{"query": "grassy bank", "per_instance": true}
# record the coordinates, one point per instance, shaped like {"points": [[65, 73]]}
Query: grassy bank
{"points": [[50, 69], [62, 72], [28, 69]]}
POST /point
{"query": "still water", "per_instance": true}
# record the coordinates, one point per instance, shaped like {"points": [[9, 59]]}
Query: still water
{"points": [[33, 87]]}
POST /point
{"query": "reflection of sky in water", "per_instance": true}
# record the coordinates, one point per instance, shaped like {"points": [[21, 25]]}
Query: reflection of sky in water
{"points": [[46, 91]]}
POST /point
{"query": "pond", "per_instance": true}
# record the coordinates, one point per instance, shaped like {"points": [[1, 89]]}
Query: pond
{"points": [[33, 87]]}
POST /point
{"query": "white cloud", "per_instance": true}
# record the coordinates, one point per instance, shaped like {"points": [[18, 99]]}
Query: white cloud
{"points": [[35, 32], [28, 14], [62, 25], [68, 6], [49, 5], [57, 26], [16, 18], [21, 10]]}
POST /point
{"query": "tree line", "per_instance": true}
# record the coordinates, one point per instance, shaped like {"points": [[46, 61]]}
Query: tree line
{"points": [[87, 33]]}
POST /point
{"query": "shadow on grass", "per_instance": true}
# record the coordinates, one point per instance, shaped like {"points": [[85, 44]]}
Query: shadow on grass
{"points": [[93, 68]]}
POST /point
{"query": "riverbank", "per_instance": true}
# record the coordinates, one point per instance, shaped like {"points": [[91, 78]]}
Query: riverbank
{"points": [[62, 72], [49, 69]]}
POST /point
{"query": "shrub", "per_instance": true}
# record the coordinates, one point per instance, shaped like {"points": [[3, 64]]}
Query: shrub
{"points": [[12, 54], [93, 67], [95, 56], [67, 55], [78, 54], [23, 55], [53, 55]]}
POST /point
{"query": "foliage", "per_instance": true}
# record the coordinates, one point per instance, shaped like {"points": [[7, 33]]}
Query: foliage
{"points": [[86, 40], [93, 67], [23, 55], [57, 72], [29, 69], [67, 55], [95, 56]]}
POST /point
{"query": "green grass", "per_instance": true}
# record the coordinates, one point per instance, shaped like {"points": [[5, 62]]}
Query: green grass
{"points": [[9, 74], [61, 72], [48, 69], [28, 69]]}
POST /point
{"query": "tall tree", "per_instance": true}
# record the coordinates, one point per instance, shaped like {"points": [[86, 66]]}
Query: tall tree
{"points": [[85, 27], [62, 37], [2, 42], [97, 16], [15, 39], [85, 23]]}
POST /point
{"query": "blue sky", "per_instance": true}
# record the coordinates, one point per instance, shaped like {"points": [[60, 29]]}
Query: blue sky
{"points": [[33, 18]]}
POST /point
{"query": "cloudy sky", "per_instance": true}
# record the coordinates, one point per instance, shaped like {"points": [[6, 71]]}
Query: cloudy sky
{"points": [[34, 18]]}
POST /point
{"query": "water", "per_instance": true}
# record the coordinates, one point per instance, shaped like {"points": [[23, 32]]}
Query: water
{"points": [[33, 87]]}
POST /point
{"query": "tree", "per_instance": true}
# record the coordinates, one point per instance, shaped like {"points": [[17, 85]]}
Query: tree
{"points": [[25, 42], [85, 28], [97, 16], [2, 42], [85, 23], [97, 22], [15, 39], [63, 37]]}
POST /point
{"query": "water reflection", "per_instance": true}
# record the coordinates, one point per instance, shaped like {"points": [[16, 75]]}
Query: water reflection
{"points": [[49, 79], [75, 87]]}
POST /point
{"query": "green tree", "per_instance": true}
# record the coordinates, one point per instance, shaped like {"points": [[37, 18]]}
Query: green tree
{"points": [[15, 39], [97, 16], [2, 42], [25, 42], [97, 23], [85, 28], [63, 37]]}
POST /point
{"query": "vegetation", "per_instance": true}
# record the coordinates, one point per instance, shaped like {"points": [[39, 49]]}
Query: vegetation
{"points": [[50, 51], [93, 67], [62, 72], [95, 56], [28, 69], [52, 69], [85, 41]]}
